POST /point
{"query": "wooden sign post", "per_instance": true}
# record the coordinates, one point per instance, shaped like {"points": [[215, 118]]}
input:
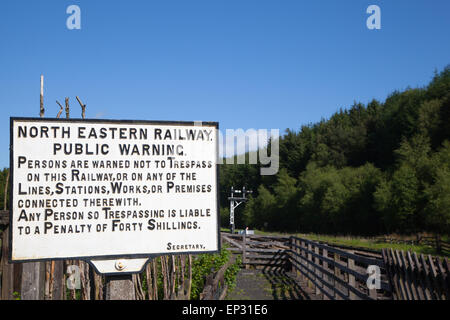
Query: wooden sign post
{"points": [[33, 279], [120, 288]]}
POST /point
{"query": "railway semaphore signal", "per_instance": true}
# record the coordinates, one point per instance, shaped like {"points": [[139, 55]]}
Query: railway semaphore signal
{"points": [[237, 197]]}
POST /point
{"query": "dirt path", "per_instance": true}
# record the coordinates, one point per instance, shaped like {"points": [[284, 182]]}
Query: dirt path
{"points": [[256, 284]]}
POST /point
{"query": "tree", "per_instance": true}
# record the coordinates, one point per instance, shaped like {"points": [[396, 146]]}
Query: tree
{"points": [[285, 192], [259, 211], [437, 208]]}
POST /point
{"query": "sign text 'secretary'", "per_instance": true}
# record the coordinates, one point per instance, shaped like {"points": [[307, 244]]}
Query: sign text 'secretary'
{"points": [[104, 188]]}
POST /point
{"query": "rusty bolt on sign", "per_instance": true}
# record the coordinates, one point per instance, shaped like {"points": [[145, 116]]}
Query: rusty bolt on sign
{"points": [[120, 265]]}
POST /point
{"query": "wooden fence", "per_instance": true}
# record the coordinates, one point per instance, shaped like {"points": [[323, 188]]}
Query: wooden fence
{"points": [[416, 277], [335, 273], [269, 251], [341, 273]]}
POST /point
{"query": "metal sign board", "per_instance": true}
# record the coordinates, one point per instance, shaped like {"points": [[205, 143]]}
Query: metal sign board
{"points": [[107, 189]]}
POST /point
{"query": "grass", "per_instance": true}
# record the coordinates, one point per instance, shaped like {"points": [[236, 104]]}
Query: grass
{"points": [[369, 243]]}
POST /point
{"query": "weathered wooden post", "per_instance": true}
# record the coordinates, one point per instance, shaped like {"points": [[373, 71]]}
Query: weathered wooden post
{"points": [[57, 286], [325, 277], [33, 279], [311, 267], [293, 256], [120, 288], [244, 250], [33, 273], [317, 272], [304, 255], [438, 243], [67, 108], [7, 268], [351, 277], [337, 273], [83, 108]]}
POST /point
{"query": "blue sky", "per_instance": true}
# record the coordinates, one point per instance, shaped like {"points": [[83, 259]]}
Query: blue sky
{"points": [[245, 63]]}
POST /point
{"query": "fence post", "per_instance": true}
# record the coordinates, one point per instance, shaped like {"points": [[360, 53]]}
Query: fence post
{"points": [[244, 250], [324, 276], [7, 268], [33, 273], [33, 279], [310, 267], [47, 280], [300, 260], [305, 261], [351, 278], [297, 257], [438, 243], [293, 256], [317, 273], [58, 281], [337, 274], [373, 294]]}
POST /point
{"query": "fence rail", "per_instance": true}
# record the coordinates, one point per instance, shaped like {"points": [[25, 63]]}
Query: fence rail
{"points": [[269, 251]]}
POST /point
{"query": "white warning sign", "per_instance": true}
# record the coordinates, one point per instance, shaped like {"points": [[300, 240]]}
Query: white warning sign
{"points": [[105, 188]]}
